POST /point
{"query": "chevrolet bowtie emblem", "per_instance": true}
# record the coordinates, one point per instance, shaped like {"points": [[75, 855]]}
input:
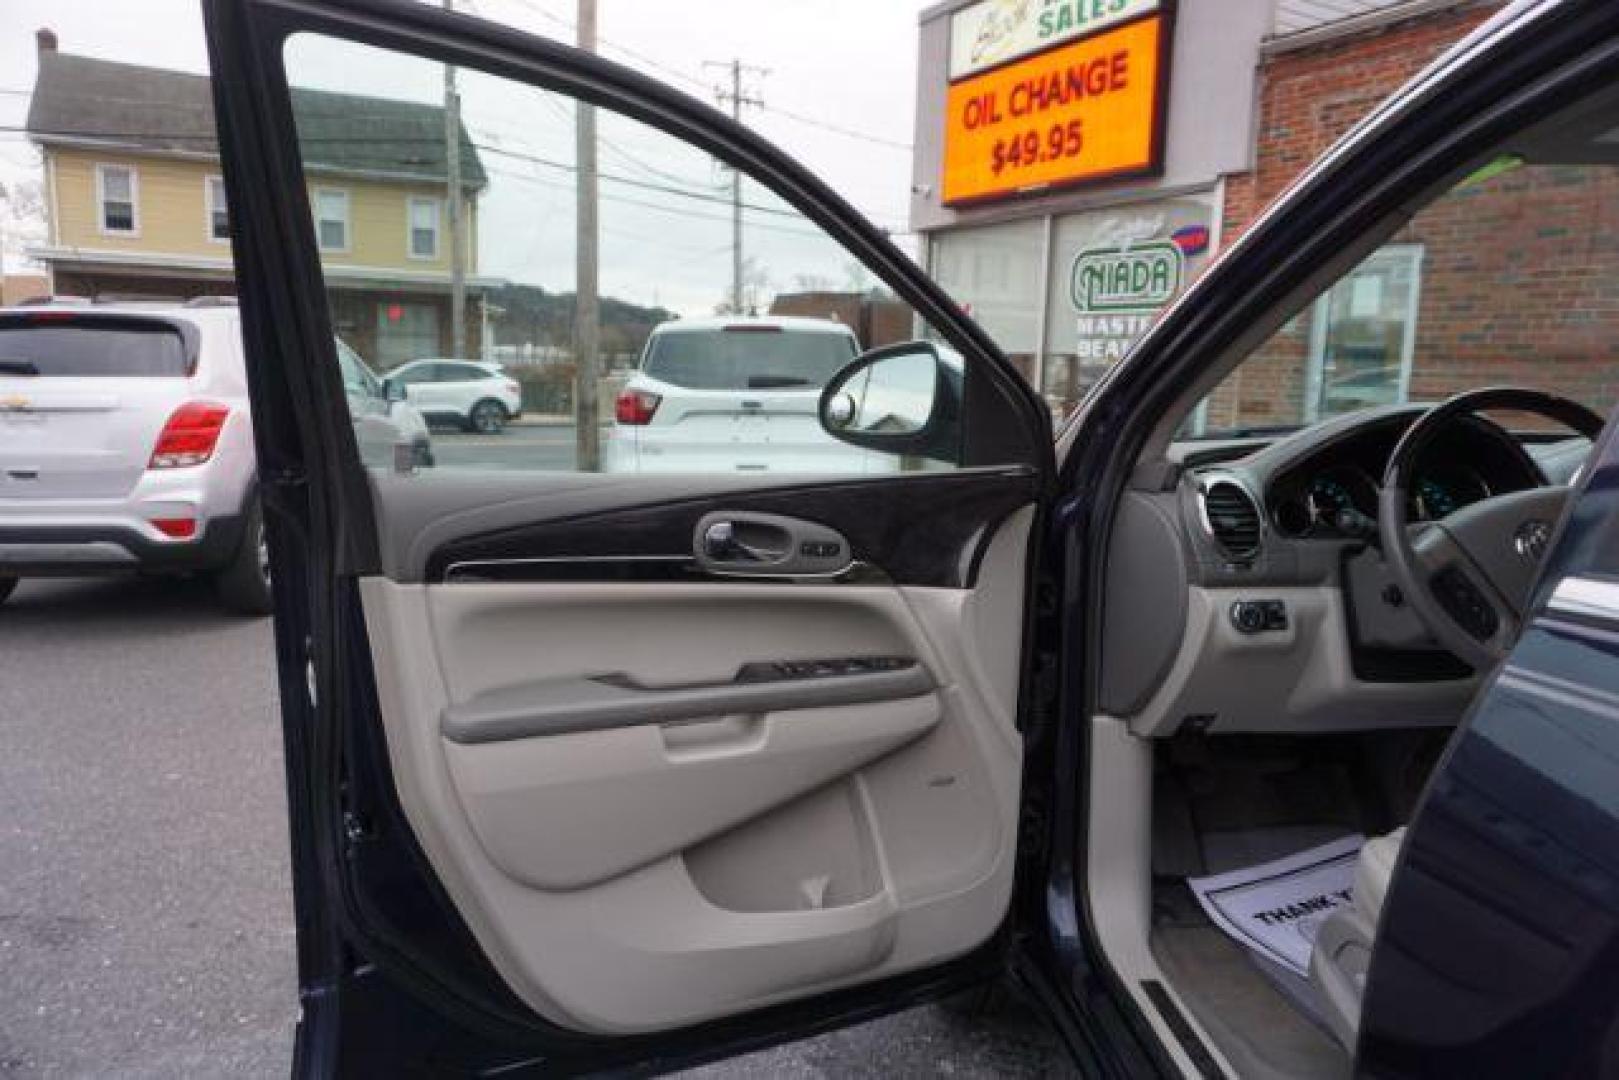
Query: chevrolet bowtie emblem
{"points": [[15, 403]]}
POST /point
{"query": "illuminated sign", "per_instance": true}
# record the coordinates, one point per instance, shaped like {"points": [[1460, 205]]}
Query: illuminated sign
{"points": [[1082, 111], [993, 32]]}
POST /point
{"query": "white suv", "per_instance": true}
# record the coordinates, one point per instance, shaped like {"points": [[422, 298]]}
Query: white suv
{"points": [[735, 394], [126, 445], [476, 395]]}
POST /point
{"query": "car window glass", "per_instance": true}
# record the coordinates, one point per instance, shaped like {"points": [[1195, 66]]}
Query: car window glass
{"points": [[702, 356], [356, 380], [96, 348], [1507, 278], [745, 357]]}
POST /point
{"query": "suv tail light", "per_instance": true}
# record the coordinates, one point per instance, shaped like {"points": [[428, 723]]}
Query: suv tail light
{"points": [[190, 435], [635, 407]]}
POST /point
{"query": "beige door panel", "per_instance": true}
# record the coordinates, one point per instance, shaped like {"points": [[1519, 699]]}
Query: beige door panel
{"points": [[615, 800], [643, 877]]}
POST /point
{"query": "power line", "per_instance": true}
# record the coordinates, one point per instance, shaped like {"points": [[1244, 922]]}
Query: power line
{"points": [[692, 80], [613, 45], [536, 159], [707, 196], [682, 211], [837, 129]]}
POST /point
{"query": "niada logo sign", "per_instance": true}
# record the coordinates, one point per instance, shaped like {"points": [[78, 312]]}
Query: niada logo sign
{"points": [[1138, 279]]}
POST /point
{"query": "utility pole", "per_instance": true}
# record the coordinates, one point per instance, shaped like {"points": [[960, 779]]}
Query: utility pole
{"points": [[737, 99], [453, 209], [586, 312]]}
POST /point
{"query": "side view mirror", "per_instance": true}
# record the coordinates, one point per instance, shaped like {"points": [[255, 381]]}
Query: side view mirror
{"points": [[900, 399], [393, 390]]}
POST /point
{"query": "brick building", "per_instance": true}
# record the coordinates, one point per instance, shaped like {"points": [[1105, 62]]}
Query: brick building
{"points": [[1249, 93], [875, 317], [1466, 309]]}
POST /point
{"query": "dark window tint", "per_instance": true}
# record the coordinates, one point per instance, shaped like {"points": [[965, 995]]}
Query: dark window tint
{"points": [[114, 350], [747, 358]]}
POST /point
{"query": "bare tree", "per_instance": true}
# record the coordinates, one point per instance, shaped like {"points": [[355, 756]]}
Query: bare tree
{"points": [[756, 286], [22, 221]]}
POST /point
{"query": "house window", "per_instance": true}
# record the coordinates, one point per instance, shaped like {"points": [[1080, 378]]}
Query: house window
{"points": [[424, 217], [332, 218], [218, 209], [1363, 333], [116, 186]]}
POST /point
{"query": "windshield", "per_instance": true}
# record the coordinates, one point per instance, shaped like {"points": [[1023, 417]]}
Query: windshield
{"points": [[357, 378], [104, 348], [1508, 278], [747, 358]]}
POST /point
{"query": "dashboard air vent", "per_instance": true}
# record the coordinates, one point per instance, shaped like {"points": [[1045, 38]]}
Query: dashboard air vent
{"points": [[1233, 519]]}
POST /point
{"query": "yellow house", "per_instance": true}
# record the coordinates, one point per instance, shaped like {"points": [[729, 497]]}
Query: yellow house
{"points": [[138, 208]]}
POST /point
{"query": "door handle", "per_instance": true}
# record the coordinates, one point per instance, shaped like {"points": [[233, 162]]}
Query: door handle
{"points": [[722, 543], [768, 545]]}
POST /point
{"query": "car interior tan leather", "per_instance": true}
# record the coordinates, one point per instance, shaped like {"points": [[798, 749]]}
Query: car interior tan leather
{"points": [[1342, 956]]}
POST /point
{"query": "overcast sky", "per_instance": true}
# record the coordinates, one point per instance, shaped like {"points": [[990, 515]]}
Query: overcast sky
{"points": [[843, 63]]}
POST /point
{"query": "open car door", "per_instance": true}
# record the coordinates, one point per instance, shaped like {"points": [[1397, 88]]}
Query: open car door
{"points": [[591, 768]]}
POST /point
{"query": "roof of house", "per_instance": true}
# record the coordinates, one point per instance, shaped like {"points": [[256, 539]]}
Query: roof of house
{"points": [[80, 97]]}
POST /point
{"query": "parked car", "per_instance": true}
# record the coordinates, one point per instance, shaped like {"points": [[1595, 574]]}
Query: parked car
{"points": [[126, 445], [733, 392], [386, 425], [475, 395], [624, 773]]}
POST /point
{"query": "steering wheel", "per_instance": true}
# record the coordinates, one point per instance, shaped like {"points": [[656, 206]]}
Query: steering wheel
{"points": [[1469, 575]]}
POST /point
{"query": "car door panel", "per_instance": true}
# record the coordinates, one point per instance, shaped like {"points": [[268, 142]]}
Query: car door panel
{"points": [[503, 851], [733, 857]]}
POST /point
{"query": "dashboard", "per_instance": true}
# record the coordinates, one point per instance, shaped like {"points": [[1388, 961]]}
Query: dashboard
{"points": [[1247, 591], [1331, 491]]}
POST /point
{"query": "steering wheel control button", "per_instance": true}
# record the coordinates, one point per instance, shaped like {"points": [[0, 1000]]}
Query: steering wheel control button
{"points": [[1259, 616], [1532, 539], [1464, 603]]}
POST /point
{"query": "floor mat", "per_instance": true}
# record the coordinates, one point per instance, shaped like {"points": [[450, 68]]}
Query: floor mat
{"points": [[1274, 908]]}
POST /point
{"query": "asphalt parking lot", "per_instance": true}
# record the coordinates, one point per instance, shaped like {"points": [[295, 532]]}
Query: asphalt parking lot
{"points": [[145, 908], [524, 445]]}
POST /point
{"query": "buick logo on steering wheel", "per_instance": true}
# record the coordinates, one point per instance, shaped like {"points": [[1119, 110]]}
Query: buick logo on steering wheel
{"points": [[1532, 539]]}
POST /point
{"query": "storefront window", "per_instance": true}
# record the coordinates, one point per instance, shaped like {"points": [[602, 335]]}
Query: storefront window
{"points": [[1362, 334], [406, 332], [1506, 279], [1112, 271], [993, 271]]}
